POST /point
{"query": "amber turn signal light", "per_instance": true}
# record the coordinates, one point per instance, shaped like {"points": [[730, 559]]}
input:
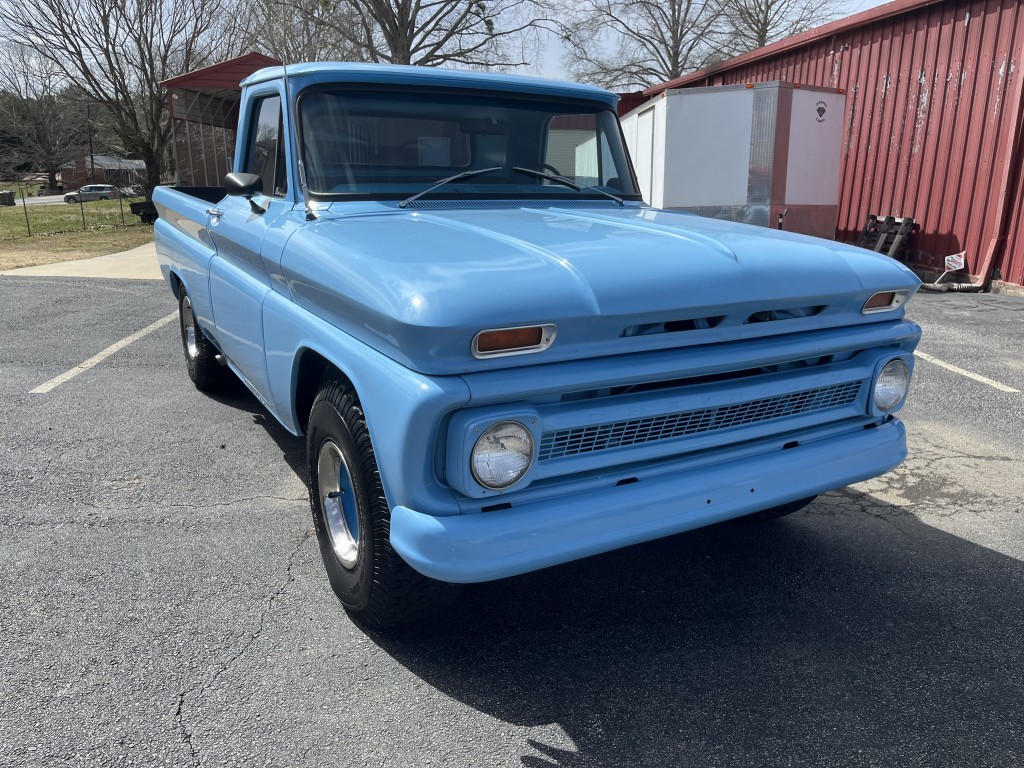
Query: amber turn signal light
{"points": [[513, 341], [884, 301]]}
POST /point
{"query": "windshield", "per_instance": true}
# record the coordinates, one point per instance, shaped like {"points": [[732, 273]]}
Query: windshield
{"points": [[393, 144]]}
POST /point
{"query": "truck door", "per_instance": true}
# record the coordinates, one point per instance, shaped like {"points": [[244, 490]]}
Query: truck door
{"points": [[239, 282]]}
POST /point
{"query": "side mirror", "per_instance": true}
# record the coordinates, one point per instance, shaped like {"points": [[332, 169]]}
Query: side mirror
{"points": [[245, 185]]}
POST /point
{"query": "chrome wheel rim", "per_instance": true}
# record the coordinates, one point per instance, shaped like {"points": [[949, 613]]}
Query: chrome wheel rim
{"points": [[338, 502], [188, 329]]}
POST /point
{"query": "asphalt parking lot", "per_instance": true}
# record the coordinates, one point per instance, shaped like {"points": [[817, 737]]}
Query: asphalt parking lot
{"points": [[163, 600]]}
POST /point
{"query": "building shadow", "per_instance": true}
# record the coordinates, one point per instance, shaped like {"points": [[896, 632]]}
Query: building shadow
{"points": [[848, 634]]}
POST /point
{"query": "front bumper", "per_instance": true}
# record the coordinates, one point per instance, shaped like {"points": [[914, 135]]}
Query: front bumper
{"points": [[492, 545]]}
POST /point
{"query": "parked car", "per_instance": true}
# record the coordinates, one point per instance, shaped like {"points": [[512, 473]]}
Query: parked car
{"points": [[92, 192]]}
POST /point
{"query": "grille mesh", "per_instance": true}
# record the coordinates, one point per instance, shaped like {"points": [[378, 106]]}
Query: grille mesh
{"points": [[601, 437]]}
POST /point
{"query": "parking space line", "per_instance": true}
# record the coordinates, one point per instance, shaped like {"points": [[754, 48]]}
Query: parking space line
{"points": [[101, 356], [968, 374]]}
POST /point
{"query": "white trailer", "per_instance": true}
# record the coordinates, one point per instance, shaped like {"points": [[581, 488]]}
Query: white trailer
{"points": [[749, 153]]}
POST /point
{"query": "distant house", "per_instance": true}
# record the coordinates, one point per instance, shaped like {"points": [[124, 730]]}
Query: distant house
{"points": [[106, 169]]}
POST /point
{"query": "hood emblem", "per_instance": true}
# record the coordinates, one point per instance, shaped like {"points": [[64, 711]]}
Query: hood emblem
{"points": [[821, 108]]}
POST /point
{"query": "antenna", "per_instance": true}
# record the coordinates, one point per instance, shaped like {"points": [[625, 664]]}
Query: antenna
{"points": [[297, 134]]}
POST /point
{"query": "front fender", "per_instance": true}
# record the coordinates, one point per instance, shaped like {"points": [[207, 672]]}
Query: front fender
{"points": [[404, 410]]}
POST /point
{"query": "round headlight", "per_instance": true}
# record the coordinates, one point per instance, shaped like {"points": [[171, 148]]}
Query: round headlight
{"points": [[891, 386], [502, 455]]}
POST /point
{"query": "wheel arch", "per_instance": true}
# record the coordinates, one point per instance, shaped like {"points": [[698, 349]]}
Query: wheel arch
{"points": [[176, 283], [307, 374]]}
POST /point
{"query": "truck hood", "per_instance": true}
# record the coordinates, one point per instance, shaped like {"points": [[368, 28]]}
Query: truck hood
{"points": [[418, 285]]}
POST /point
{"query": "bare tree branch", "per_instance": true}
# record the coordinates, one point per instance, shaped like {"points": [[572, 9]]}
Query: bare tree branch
{"points": [[117, 52], [291, 31], [637, 43], [475, 33], [39, 113], [753, 24]]}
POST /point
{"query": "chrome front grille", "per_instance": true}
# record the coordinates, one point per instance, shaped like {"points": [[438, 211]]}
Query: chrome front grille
{"points": [[602, 437]]}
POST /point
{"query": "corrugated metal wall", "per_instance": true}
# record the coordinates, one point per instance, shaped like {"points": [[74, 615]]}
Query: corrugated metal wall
{"points": [[933, 111]]}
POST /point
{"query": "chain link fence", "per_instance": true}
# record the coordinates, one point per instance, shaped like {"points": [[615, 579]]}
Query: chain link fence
{"points": [[24, 212]]}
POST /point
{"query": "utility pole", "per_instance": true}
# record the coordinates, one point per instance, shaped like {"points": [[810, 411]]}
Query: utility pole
{"points": [[88, 123]]}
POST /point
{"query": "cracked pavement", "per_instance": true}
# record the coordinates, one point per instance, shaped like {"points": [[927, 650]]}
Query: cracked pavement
{"points": [[164, 604]]}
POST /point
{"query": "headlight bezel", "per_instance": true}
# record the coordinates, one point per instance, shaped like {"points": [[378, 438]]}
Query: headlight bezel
{"points": [[464, 431], [904, 361]]}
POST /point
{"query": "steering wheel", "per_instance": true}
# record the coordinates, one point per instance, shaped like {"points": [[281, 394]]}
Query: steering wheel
{"points": [[548, 167]]}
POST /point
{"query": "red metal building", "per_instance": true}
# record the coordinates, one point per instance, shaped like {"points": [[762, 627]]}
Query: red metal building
{"points": [[935, 97]]}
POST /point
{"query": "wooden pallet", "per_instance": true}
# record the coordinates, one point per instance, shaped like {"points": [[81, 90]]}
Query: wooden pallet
{"points": [[886, 234]]}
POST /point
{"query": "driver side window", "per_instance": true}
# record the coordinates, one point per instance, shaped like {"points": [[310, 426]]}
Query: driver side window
{"points": [[266, 147]]}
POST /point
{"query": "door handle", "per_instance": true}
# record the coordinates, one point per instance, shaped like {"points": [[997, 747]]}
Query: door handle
{"points": [[215, 211]]}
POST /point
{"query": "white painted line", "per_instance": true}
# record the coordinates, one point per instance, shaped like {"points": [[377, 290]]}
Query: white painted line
{"points": [[968, 374], [100, 357]]}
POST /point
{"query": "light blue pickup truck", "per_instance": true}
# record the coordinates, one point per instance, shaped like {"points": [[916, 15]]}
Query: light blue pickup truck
{"points": [[501, 358]]}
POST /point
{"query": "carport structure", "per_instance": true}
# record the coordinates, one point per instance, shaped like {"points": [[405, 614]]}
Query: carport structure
{"points": [[203, 109]]}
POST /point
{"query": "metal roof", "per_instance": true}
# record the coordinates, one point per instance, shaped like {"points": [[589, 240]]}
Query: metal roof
{"points": [[109, 162], [223, 76], [210, 95]]}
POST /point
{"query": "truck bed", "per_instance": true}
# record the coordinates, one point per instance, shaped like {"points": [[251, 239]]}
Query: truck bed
{"points": [[209, 194]]}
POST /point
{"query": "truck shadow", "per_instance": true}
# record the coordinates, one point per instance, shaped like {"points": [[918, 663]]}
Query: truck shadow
{"points": [[293, 449], [850, 633]]}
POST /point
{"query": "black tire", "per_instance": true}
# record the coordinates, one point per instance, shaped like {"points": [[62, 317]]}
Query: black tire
{"points": [[371, 580], [200, 355], [784, 509]]}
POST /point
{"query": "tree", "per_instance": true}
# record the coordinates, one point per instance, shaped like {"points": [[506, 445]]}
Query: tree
{"points": [[639, 43], [753, 24], [117, 52], [431, 33], [291, 31], [39, 112]]}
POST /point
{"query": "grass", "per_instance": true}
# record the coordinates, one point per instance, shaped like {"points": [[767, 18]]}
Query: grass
{"points": [[58, 232], [62, 217], [69, 246]]}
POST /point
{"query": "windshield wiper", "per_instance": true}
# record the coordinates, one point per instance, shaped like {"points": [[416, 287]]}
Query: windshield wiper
{"points": [[528, 171], [567, 182], [449, 180]]}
